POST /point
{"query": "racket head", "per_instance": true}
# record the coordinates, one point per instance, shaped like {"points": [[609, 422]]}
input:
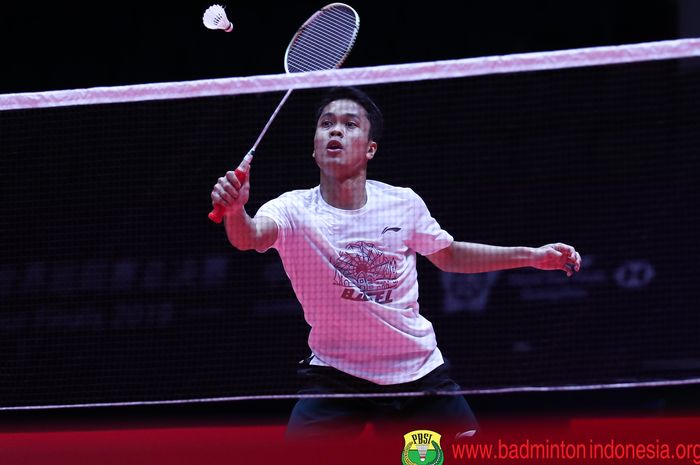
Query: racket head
{"points": [[324, 41]]}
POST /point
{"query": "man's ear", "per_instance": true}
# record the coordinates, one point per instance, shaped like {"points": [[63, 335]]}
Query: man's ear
{"points": [[313, 154], [371, 149]]}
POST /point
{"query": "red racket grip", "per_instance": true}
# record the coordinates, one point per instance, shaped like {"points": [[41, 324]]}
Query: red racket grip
{"points": [[217, 214]]}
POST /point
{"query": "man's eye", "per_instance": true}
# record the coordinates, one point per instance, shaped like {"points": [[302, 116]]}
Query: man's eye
{"points": [[325, 124], [351, 124]]}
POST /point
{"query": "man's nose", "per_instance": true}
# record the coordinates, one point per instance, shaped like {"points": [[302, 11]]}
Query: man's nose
{"points": [[336, 130]]}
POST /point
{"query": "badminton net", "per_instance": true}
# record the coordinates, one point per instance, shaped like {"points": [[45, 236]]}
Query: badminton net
{"points": [[116, 290]]}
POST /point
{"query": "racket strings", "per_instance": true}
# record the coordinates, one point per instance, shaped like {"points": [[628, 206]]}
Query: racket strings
{"points": [[318, 49], [324, 42]]}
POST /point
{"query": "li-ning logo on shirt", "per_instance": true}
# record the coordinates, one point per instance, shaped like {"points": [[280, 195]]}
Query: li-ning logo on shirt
{"points": [[363, 266], [391, 229]]}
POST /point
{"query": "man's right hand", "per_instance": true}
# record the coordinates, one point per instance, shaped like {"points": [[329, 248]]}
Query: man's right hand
{"points": [[229, 192]]}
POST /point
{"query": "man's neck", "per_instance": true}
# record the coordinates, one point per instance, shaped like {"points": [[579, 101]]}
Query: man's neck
{"points": [[346, 194]]}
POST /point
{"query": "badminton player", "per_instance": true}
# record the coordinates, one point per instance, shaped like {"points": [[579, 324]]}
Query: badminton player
{"points": [[349, 248]]}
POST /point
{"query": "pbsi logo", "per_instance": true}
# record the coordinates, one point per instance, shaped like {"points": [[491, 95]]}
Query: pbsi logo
{"points": [[422, 447]]}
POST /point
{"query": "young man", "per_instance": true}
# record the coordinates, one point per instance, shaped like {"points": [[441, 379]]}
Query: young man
{"points": [[349, 248]]}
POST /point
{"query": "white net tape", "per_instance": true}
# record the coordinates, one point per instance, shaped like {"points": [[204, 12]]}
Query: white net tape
{"points": [[521, 62]]}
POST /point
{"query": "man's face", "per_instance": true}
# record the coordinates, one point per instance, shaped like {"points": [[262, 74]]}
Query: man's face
{"points": [[341, 144]]}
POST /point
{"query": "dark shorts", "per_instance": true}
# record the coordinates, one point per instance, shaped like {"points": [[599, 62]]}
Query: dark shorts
{"points": [[314, 417]]}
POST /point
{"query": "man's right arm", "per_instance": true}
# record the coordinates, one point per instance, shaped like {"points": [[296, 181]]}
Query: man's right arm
{"points": [[244, 232]]}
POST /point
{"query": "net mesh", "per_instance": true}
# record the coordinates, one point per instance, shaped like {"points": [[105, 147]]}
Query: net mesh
{"points": [[115, 287]]}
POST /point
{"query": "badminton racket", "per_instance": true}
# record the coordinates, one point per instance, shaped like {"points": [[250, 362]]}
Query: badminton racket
{"points": [[322, 42]]}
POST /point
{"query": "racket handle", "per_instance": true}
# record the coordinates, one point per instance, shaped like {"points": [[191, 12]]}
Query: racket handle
{"points": [[217, 213]]}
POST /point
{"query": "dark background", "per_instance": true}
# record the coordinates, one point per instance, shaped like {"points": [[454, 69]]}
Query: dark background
{"points": [[63, 47]]}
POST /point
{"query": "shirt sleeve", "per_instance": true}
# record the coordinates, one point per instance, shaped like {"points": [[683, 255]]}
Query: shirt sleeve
{"points": [[427, 237], [278, 211]]}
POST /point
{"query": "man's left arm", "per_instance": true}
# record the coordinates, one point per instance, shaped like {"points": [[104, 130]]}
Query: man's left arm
{"points": [[467, 257]]}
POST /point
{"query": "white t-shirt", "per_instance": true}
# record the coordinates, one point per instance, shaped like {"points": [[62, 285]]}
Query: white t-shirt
{"points": [[354, 273]]}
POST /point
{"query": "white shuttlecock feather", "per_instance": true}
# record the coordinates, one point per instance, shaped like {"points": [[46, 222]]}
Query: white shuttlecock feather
{"points": [[215, 18]]}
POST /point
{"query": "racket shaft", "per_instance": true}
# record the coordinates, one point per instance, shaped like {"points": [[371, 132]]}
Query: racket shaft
{"points": [[217, 213], [272, 118]]}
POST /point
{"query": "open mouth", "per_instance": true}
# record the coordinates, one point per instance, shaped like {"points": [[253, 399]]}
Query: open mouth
{"points": [[334, 145]]}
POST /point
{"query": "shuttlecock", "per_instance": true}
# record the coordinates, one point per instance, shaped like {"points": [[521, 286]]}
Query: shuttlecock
{"points": [[215, 18]]}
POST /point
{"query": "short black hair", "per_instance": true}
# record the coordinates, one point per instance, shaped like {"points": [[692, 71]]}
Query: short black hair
{"points": [[374, 114]]}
